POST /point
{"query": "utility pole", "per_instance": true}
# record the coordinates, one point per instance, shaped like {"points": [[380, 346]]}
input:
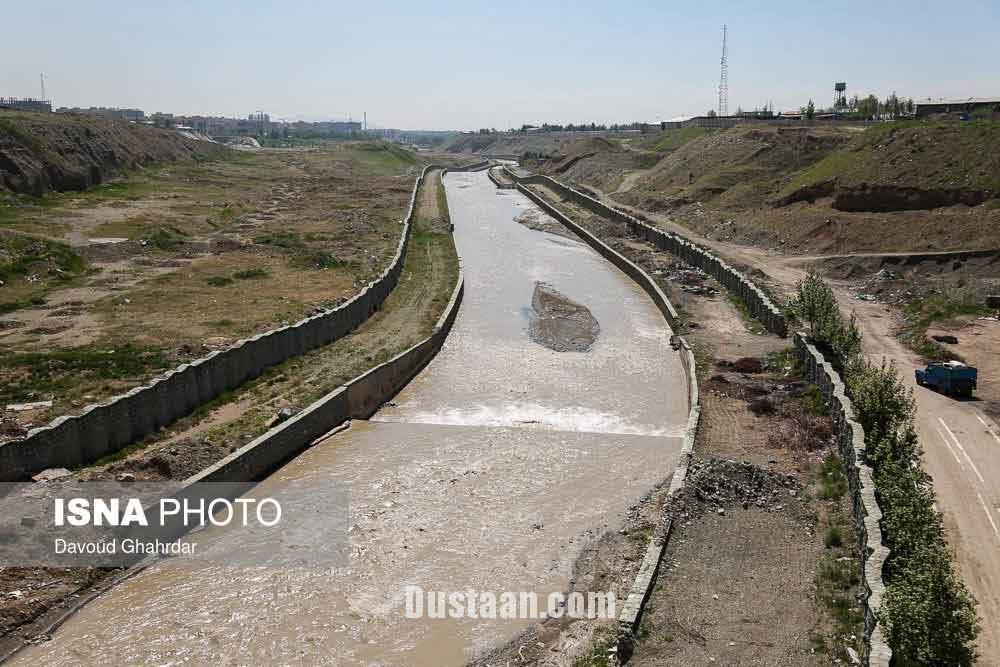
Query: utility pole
{"points": [[724, 78]]}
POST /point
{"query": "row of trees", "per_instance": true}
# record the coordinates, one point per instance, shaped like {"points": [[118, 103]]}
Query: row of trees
{"points": [[928, 614], [868, 108]]}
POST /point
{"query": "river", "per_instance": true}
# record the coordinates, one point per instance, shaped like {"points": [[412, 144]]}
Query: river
{"points": [[491, 471]]}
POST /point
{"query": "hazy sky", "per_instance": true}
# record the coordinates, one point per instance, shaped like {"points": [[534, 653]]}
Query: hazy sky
{"points": [[464, 65]]}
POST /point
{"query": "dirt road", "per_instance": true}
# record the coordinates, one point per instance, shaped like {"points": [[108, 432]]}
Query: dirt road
{"points": [[961, 442]]}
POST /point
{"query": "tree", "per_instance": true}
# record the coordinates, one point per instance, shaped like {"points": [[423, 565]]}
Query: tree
{"points": [[930, 617], [868, 107], [711, 113], [810, 110], [815, 305]]}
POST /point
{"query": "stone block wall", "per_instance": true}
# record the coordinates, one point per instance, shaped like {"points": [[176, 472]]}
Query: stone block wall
{"points": [[867, 514]]}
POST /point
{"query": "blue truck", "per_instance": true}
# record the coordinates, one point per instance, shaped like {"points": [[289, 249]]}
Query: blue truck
{"points": [[948, 377]]}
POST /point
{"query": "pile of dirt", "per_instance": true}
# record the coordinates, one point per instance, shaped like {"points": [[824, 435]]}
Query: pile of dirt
{"points": [[40, 152], [717, 484], [559, 323]]}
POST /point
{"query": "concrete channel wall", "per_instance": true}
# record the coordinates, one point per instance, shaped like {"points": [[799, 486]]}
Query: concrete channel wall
{"points": [[758, 303], [867, 514], [642, 586], [359, 398], [105, 428], [499, 183]]}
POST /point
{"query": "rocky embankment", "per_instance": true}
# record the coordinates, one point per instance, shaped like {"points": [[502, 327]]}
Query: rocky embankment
{"points": [[43, 152]]}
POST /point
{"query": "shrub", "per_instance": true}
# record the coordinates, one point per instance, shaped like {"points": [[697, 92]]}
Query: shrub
{"points": [[249, 274], [929, 615], [164, 238], [930, 618]]}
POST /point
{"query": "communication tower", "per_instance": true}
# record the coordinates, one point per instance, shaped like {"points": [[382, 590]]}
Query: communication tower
{"points": [[724, 78]]}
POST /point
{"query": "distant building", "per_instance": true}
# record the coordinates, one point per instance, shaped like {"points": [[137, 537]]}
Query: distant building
{"points": [[929, 107], [26, 104], [131, 115]]}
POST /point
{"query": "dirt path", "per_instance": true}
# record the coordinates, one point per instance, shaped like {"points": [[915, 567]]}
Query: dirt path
{"points": [[961, 442]]}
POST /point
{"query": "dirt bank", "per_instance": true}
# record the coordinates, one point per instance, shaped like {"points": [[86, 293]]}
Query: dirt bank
{"points": [[40, 152], [200, 255]]}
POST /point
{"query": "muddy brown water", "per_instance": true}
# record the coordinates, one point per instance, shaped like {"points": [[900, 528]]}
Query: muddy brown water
{"points": [[491, 470]]}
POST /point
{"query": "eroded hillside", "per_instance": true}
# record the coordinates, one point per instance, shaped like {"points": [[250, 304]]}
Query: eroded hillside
{"points": [[43, 152], [907, 166]]}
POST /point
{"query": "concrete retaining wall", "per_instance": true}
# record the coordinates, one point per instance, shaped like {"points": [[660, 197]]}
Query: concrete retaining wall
{"points": [[357, 399], [867, 514], [758, 303], [645, 578], [104, 428]]}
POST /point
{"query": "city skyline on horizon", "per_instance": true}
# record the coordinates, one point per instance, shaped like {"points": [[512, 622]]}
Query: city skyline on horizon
{"points": [[601, 64]]}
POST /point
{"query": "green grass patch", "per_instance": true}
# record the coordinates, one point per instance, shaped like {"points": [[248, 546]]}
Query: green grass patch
{"points": [[813, 401], [671, 140], [834, 537], [219, 281], [287, 240], [29, 374], [832, 481], [11, 129], [251, 274], [836, 584], [318, 259], [164, 238], [22, 255], [382, 157], [600, 653], [752, 324], [783, 362], [229, 213], [11, 306], [118, 189]]}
